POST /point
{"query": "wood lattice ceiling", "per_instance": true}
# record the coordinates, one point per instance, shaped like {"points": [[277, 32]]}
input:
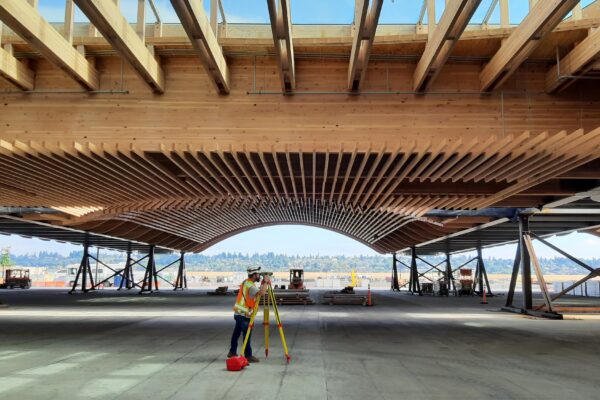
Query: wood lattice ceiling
{"points": [[189, 198]]}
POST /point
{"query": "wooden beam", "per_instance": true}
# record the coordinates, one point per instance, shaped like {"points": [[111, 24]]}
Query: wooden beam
{"points": [[363, 42], [580, 60], [140, 25], [27, 22], [196, 25], [15, 71], [281, 26], [214, 23], [542, 19], [69, 19], [107, 18], [504, 16], [453, 22], [431, 17]]}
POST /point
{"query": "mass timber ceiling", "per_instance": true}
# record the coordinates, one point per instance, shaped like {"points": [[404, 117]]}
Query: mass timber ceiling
{"points": [[189, 198], [503, 48], [125, 136]]}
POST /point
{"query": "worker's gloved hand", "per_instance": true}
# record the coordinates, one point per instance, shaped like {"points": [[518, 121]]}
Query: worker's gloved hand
{"points": [[266, 279]]}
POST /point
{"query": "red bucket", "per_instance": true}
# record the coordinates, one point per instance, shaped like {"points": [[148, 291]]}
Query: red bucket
{"points": [[236, 363]]}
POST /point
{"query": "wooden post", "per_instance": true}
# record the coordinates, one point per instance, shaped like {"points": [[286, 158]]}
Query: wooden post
{"points": [[504, 18], [577, 12], [357, 8], [141, 20], [430, 17], [69, 17], [213, 15]]}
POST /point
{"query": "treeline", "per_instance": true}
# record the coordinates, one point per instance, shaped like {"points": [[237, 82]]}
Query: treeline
{"points": [[280, 262]]}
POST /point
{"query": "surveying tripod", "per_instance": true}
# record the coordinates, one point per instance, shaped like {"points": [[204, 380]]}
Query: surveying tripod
{"points": [[268, 299]]}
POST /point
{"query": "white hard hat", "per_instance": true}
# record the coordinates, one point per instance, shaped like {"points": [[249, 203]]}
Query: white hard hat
{"points": [[253, 270]]}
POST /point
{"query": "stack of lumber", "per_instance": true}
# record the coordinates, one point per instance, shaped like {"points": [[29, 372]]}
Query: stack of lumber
{"points": [[220, 291], [293, 297], [339, 298]]}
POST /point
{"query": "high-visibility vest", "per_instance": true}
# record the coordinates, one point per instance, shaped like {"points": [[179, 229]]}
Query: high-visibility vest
{"points": [[244, 304]]}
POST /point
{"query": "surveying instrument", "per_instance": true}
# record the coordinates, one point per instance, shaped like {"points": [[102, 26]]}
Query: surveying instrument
{"points": [[268, 300]]}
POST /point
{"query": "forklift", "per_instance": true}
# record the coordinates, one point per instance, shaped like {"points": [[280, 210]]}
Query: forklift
{"points": [[16, 278], [296, 279]]}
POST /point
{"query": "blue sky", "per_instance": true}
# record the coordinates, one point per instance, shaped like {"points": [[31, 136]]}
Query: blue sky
{"points": [[305, 11]]}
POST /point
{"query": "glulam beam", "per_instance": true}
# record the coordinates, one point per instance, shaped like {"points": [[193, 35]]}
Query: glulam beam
{"points": [[364, 35], [281, 27], [15, 71], [444, 37], [107, 18], [541, 20], [580, 60], [27, 22], [197, 27]]}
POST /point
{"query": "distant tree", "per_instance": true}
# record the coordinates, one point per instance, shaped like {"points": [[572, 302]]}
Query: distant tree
{"points": [[5, 258]]}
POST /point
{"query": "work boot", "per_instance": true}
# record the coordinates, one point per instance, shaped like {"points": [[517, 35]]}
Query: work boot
{"points": [[252, 359], [230, 354]]}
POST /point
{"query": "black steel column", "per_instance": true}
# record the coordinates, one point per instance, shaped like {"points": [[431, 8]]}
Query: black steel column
{"points": [[513, 278], [414, 273], [479, 272], [481, 275], [181, 280], [84, 270], [150, 275], [395, 283], [450, 274], [525, 263], [127, 277]]}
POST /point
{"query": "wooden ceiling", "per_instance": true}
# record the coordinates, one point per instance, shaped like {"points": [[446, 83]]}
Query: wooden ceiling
{"points": [[189, 198], [158, 150]]}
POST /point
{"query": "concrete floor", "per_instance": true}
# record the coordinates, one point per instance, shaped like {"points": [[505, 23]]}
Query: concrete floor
{"points": [[169, 345]]}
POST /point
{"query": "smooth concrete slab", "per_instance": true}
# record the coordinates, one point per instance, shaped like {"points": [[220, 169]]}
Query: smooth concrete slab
{"points": [[120, 345]]}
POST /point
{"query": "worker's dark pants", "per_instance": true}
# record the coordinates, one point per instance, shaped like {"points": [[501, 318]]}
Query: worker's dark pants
{"points": [[241, 327]]}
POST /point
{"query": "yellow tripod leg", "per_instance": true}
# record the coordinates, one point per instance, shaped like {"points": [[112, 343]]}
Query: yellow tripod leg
{"points": [[266, 324], [279, 325], [251, 325]]}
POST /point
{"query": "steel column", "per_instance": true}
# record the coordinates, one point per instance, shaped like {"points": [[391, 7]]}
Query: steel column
{"points": [[395, 283], [525, 263], [181, 280], [150, 276], [450, 274], [84, 270], [513, 278], [481, 277], [127, 277], [414, 286]]}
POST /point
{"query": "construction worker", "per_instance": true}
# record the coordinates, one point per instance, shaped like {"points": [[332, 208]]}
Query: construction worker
{"points": [[244, 305]]}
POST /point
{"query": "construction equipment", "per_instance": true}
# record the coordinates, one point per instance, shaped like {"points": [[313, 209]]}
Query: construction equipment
{"points": [[466, 282], [296, 279], [15, 277], [353, 279], [427, 288], [268, 301]]}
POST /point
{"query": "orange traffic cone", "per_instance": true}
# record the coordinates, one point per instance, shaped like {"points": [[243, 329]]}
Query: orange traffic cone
{"points": [[484, 300], [369, 302]]}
